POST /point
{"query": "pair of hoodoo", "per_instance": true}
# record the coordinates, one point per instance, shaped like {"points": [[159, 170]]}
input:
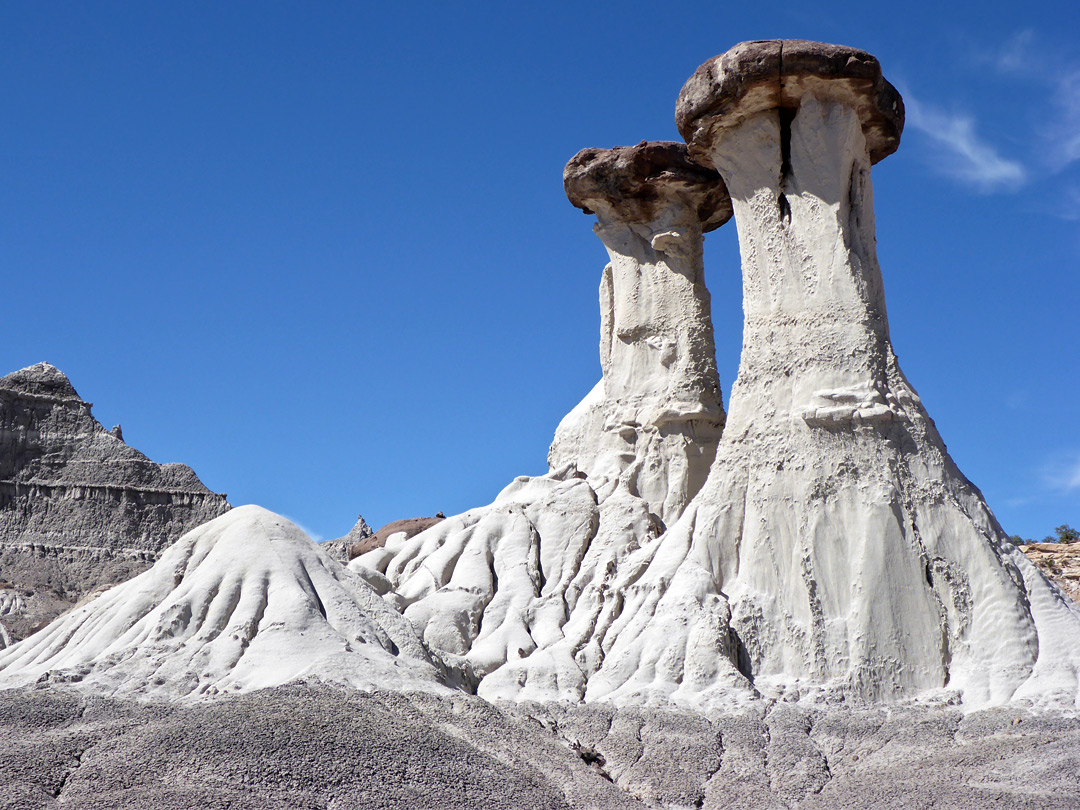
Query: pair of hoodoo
{"points": [[814, 540], [817, 536]]}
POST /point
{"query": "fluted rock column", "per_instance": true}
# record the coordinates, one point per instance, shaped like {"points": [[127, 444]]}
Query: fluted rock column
{"points": [[654, 420], [852, 551]]}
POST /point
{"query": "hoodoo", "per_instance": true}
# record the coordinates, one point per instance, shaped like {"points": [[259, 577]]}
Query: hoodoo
{"points": [[519, 595], [853, 553], [655, 418]]}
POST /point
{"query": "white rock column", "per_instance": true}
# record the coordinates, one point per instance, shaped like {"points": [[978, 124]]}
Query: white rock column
{"points": [[653, 422], [853, 552]]}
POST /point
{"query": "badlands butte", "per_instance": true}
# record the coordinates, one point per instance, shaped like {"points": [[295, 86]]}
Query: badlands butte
{"points": [[796, 601]]}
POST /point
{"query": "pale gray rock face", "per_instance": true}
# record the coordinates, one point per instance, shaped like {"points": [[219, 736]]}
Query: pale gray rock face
{"points": [[80, 510], [339, 548], [851, 551]]}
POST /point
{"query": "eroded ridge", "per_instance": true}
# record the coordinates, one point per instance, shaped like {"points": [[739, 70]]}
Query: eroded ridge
{"points": [[80, 509], [244, 602]]}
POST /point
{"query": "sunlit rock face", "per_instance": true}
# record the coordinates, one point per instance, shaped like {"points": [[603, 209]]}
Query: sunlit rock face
{"points": [[652, 423], [853, 553], [244, 602]]}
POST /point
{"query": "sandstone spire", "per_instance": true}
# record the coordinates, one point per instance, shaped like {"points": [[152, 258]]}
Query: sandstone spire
{"points": [[656, 416]]}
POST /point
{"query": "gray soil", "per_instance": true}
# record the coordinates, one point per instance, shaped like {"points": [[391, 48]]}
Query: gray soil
{"points": [[303, 746]]}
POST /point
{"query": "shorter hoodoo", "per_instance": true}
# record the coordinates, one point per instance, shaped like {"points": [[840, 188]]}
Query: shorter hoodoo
{"points": [[519, 596], [653, 422]]}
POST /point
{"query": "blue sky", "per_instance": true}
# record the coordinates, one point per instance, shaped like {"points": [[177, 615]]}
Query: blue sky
{"points": [[321, 253]]}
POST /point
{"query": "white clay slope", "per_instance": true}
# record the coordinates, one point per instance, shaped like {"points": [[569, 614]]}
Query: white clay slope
{"points": [[243, 602]]}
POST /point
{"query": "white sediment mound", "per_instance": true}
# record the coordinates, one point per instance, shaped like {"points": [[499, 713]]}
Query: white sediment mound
{"points": [[243, 602]]}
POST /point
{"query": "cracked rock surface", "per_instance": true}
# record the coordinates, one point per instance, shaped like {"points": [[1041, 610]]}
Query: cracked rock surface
{"points": [[317, 746]]}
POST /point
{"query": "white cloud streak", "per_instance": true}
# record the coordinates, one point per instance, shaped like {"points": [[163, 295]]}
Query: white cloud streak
{"points": [[961, 153], [1066, 131], [318, 538], [1017, 55], [1064, 477]]}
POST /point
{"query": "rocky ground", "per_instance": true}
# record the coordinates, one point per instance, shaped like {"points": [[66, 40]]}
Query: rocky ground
{"points": [[322, 747]]}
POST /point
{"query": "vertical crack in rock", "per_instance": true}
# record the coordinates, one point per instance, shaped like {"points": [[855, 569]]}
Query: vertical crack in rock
{"points": [[821, 420]]}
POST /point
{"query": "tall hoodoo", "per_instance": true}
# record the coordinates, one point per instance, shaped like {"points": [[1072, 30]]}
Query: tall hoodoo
{"points": [[851, 549], [656, 417]]}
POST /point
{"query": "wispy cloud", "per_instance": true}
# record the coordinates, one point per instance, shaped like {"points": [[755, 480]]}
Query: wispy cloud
{"points": [[961, 152], [1053, 77], [1066, 128], [1063, 476], [1017, 55], [1070, 212], [318, 538]]}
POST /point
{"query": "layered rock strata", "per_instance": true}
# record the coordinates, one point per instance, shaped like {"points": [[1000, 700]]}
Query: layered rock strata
{"points": [[852, 552], [1060, 562], [79, 509]]}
